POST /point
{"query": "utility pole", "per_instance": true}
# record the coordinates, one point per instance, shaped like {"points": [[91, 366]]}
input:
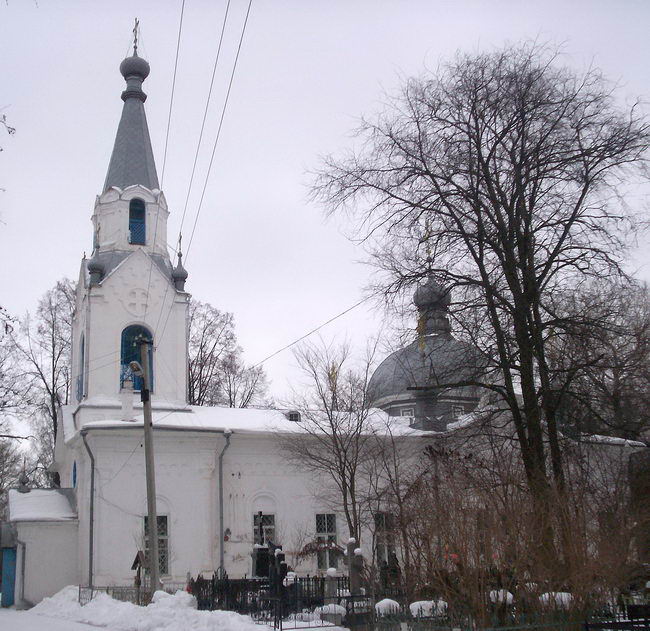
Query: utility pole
{"points": [[152, 516]]}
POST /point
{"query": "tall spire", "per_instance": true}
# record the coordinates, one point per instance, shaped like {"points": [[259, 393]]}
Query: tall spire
{"points": [[132, 159]]}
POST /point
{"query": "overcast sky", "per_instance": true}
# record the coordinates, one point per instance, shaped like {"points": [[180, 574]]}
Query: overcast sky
{"points": [[307, 71]]}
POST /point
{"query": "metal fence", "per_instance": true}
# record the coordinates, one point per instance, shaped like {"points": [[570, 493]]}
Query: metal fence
{"points": [[136, 595]]}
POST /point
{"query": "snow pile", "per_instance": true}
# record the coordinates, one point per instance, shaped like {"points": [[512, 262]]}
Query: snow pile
{"points": [[332, 608], [167, 612], [428, 608], [386, 607], [501, 596], [557, 599]]}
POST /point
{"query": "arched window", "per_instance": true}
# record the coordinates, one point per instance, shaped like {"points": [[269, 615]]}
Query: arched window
{"points": [[137, 227], [81, 369], [131, 352]]}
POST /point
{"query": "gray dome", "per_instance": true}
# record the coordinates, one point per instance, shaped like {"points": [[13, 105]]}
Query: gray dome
{"points": [[135, 67], [429, 361], [431, 294]]}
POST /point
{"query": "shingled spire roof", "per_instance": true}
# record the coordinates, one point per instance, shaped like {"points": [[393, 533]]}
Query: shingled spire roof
{"points": [[132, 158]]}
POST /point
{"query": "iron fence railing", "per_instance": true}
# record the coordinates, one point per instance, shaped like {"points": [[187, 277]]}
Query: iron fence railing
{"points": [[126, 593]]}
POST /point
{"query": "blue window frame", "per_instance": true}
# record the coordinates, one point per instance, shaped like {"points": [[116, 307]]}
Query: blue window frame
{"points": [[130, 351], [137, 227]]}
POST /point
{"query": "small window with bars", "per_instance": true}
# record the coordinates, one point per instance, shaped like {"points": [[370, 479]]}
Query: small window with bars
{"points": [[327, 553], [384, 537], [137, 225], [457, 411], [262, 535], [163, 543]]}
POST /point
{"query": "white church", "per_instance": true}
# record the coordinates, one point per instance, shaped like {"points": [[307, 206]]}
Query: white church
{"points": [[222, 481], [218, 470]]}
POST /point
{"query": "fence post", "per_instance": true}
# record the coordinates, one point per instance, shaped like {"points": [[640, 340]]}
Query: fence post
{"points": [[331, 583]]}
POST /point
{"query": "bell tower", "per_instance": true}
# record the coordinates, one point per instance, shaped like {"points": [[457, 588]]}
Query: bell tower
{"points": [[129, 288]]}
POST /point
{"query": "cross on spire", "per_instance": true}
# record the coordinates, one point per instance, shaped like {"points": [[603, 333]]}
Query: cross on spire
{"points": [[136, 30]]}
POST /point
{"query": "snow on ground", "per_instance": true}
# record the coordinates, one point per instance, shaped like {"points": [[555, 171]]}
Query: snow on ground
{"points": [[167, 612], [12, 620]]}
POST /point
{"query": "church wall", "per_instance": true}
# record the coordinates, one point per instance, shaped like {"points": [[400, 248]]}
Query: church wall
{"points": [[256, 477], [119, 302], [185, 470], [51, 545]]}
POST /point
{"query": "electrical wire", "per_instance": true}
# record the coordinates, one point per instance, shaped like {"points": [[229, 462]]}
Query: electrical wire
{"points": [[318, 328], [216, 140], [196, 156], [214, 148], [162, 176]]}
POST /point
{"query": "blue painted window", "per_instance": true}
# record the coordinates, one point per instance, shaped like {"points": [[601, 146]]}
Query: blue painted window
{"points": [[130, 351], [74, 474], [137, 227]]}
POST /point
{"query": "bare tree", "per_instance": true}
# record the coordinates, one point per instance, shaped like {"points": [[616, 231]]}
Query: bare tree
{"points": [[218, 374], [333, 436], [498, 175], [212, 337], [42, 344], [242, 386], [608, 352], [10, 461]]}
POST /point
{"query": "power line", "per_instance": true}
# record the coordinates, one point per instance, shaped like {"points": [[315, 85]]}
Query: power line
{"points": [[318, 328], [205, 115], [196, 156], [216, 140], [162, 175], [214, 148]]}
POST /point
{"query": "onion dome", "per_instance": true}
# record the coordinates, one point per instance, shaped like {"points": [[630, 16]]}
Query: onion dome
{"points": [[435, 359], [431, 294], [135, 66], [179, 274], [96, 269]]}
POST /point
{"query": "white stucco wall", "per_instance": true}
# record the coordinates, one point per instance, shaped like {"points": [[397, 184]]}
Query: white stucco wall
{"points": [[256, 477], [50, 559]]}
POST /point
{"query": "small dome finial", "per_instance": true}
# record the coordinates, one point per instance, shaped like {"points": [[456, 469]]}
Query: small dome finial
{"points": [[179, 273], [432, 301], [135, 70]]}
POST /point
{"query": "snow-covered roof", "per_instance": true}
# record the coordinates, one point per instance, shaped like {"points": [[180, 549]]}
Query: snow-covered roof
{"points": [[612, 440], [42, 505], [238, 420]]}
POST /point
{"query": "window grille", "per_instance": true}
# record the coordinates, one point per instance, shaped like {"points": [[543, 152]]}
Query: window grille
{"points": [[384, 537], [457, 411], [326, 554], [137, 226], [163, 544], [268, 529]]}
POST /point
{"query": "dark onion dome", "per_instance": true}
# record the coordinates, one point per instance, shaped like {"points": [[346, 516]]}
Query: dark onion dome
{"points": [[179, 274], [431, 295], [135, 66], [434, 360], [96, 269], [429, 361]]}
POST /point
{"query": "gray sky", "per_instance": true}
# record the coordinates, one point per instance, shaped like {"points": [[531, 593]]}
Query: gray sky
{"points": [[307, 71]]}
